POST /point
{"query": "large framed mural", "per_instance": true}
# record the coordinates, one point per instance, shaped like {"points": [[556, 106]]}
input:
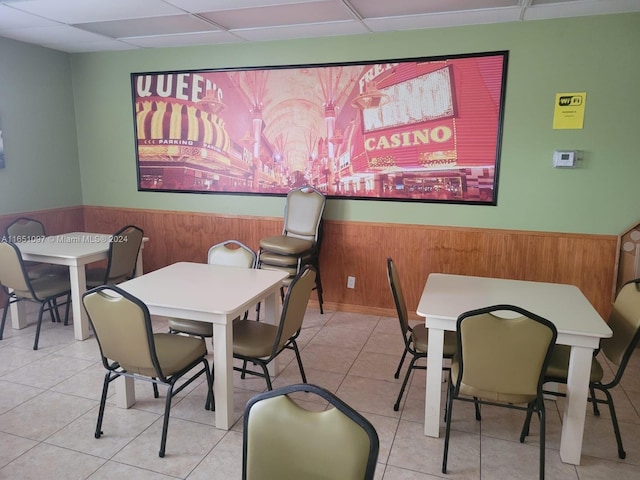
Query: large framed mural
{"points": [[420, 129]]}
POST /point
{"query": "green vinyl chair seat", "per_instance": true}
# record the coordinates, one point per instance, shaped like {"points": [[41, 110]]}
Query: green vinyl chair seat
{"points": [[254, 339], [285, 245], [558, 367], [173, 352], [420, 340]]}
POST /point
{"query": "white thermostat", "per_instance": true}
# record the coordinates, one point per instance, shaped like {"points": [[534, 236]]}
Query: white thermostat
{"points": [[565, 158]]}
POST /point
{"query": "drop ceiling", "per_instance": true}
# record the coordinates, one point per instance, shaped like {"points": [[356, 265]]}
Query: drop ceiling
{"points": [[103, 25]]}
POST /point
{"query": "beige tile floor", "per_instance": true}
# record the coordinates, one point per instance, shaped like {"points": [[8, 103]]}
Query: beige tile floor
{"points": [[49, 401]]}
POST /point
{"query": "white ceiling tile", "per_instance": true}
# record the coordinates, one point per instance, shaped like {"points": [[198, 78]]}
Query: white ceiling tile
{"points": [[263, 20], [83, 11], [386, 8], [217, 5], [140, 27], [413, 22], [163, 41], [49, 35], [11, 18], [301, 31], [315, 12]]}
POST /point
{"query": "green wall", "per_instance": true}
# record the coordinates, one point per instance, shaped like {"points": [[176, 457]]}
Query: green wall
{"points": [[593, 54], [39, 129]]}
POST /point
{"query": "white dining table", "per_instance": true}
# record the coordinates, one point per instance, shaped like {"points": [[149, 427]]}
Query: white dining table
{"points": [[207, 293], [75, 250], [579, 325]]}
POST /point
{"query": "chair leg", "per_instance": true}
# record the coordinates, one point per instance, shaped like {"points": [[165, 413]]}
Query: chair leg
{"points": [[103, 402], [211, 401], [596, 410], [4, 315], [319, 287], [525, 426], [165, 422], [396, 407], [448, 415], [156, 394], [39, 324], [542, 417], [295, 349], [397, 374], [616, 428], [66, 310], [267, 377]]}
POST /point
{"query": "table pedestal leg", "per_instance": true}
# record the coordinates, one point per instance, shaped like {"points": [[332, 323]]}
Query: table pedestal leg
{"points": [[223, 373], [18, 315], [272, 316], [78, 287], [125, 392], [576, 404], [434, 376]]}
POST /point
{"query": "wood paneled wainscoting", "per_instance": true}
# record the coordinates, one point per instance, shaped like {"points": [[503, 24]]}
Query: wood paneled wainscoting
{"points": [[360, 249]]}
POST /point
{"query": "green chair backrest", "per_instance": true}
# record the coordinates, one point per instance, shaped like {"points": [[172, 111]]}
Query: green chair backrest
{"points": [[23, 229], [285, 441], [123, 254], [398, 297], [502, 356], [122, 326], [303, 213], [223, 254], [295, 305], [12, 271], [624, 320]]}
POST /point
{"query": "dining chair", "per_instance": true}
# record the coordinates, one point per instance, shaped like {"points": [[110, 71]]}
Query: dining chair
{"points": [[300, 240], [130, 348], [624, 321], [124, 248], [230, 253], [19, 286], [281, 439], [26, 229], [260, 342], [503, 352], [415, 338]]}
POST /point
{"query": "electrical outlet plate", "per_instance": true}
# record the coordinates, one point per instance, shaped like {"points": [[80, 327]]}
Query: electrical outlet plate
{"points": [[351, 282]]}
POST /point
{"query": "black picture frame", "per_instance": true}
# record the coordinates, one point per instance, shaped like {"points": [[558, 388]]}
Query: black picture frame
{"points": [[423, 129]]}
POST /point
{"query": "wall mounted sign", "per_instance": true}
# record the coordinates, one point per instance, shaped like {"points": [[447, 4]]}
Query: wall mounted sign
{"points": [[421, 129], [569, 110]]}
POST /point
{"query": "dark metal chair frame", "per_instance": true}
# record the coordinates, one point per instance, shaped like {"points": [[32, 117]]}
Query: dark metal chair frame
{"points": [[114, 370], [290, 344], [47, 304], [407, 330], [605, 387], [537, 406]]}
